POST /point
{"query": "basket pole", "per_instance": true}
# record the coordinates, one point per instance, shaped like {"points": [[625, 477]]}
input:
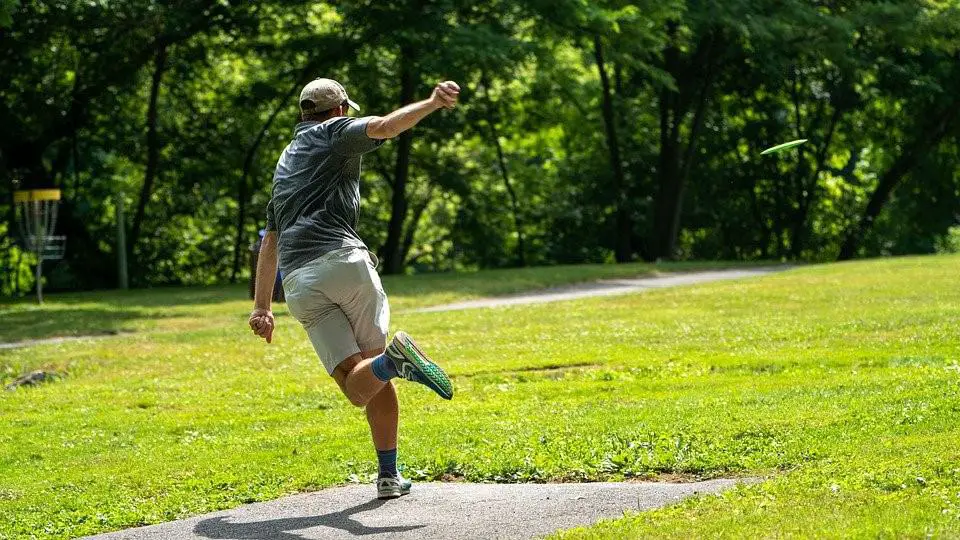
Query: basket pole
{"points": [[38, 248], [121, 245]]}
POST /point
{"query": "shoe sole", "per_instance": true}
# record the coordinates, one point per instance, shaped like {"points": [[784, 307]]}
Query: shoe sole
{"points": [[426, 366], [390, 495], [394, 493]]}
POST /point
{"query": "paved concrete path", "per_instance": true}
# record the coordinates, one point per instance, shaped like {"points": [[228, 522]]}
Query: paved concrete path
{"points": [[438, 511], [606, 288]]}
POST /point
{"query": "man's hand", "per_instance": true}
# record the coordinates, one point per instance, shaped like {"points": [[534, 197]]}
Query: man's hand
{"points": [[262, 323], [445, 95]]}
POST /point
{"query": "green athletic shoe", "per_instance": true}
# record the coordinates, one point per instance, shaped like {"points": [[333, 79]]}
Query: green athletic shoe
{"points": [[391, 487], [413, 365]]}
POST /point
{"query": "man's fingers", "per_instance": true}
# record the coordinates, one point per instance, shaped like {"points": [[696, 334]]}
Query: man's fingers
{"points": [[447, 97], [261, 322], [260, 326], [449, 90], [267, 332]]}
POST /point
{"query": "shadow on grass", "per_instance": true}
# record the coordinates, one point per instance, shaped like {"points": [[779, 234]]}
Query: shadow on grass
{"points": [[155, 297], [68, 322]]}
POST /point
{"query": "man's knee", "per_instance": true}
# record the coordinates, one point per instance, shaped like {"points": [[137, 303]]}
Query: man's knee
{"points": [[357, 401], [340, 375]]}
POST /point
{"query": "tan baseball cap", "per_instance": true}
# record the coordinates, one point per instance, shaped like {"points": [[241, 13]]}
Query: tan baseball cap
{"points": [[322, 95]]}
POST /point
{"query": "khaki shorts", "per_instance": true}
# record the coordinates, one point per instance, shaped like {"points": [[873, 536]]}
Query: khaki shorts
{"points": [[339, 300]]}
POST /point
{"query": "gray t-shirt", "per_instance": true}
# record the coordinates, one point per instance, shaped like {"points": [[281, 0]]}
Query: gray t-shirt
{"points": [[316, 190]]}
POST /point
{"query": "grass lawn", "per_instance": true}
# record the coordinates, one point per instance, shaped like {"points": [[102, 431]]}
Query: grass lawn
{"points": [[837, 384], [171, 308]]}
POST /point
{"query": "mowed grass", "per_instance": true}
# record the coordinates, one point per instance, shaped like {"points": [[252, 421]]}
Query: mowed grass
{"points": [[837, 385], [175, 308]]}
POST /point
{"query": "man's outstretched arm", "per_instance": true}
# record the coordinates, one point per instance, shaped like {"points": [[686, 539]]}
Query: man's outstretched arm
{"points": [[261, 320], [444, 96]]}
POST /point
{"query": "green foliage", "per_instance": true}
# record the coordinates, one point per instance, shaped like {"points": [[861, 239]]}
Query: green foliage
{"points": [[848, 411], [7, 9], [19, 277], [950, 242], [864, 81]]}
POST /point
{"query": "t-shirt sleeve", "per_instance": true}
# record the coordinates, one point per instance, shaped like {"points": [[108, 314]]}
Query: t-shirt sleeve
{"points": [[348, 136], [271, 217]]}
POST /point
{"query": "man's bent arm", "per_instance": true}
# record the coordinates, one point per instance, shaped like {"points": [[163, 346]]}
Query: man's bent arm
{"points": [[266, 271], [404, 118], [400, 120]]}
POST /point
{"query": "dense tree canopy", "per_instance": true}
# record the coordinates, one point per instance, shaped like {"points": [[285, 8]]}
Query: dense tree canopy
{"points": [[588, 130]]}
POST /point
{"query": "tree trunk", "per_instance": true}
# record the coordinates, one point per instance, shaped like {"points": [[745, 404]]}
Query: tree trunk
{"points": [[668, 170], [878, 198], [928, 137], [623, 226], [675, 163], [153, 143], [392, 249], [514, 202], [807, 185], [74, 144], [408, 236]]}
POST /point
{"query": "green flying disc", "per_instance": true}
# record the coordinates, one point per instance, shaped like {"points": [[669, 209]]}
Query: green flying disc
{"points": [[782, 147]]}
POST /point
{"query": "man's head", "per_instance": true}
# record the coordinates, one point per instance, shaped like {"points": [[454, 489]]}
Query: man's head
{"points": [[322, 99]]}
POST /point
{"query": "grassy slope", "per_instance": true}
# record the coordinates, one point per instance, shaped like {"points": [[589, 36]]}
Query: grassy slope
{"points": [[839, 382]]}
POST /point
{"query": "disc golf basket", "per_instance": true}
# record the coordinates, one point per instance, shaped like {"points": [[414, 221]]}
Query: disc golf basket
{"points": [[37, 221]]}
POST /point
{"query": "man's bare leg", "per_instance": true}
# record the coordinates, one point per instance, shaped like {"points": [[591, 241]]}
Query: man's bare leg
{"points": [[383, 415], [364, 389], [383, 412], [357, 380]]}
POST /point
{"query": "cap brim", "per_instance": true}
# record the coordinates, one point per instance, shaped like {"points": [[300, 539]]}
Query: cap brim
{"points": [[353, 105]]}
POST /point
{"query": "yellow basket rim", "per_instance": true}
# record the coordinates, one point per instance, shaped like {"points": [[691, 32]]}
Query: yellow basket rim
{"points": [[31, 195]]}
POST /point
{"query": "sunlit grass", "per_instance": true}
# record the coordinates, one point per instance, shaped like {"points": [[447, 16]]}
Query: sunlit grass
{"points": [[839, 383]]}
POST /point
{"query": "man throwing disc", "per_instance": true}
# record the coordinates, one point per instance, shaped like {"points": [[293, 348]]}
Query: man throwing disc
{"points": [[329, 276]]}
